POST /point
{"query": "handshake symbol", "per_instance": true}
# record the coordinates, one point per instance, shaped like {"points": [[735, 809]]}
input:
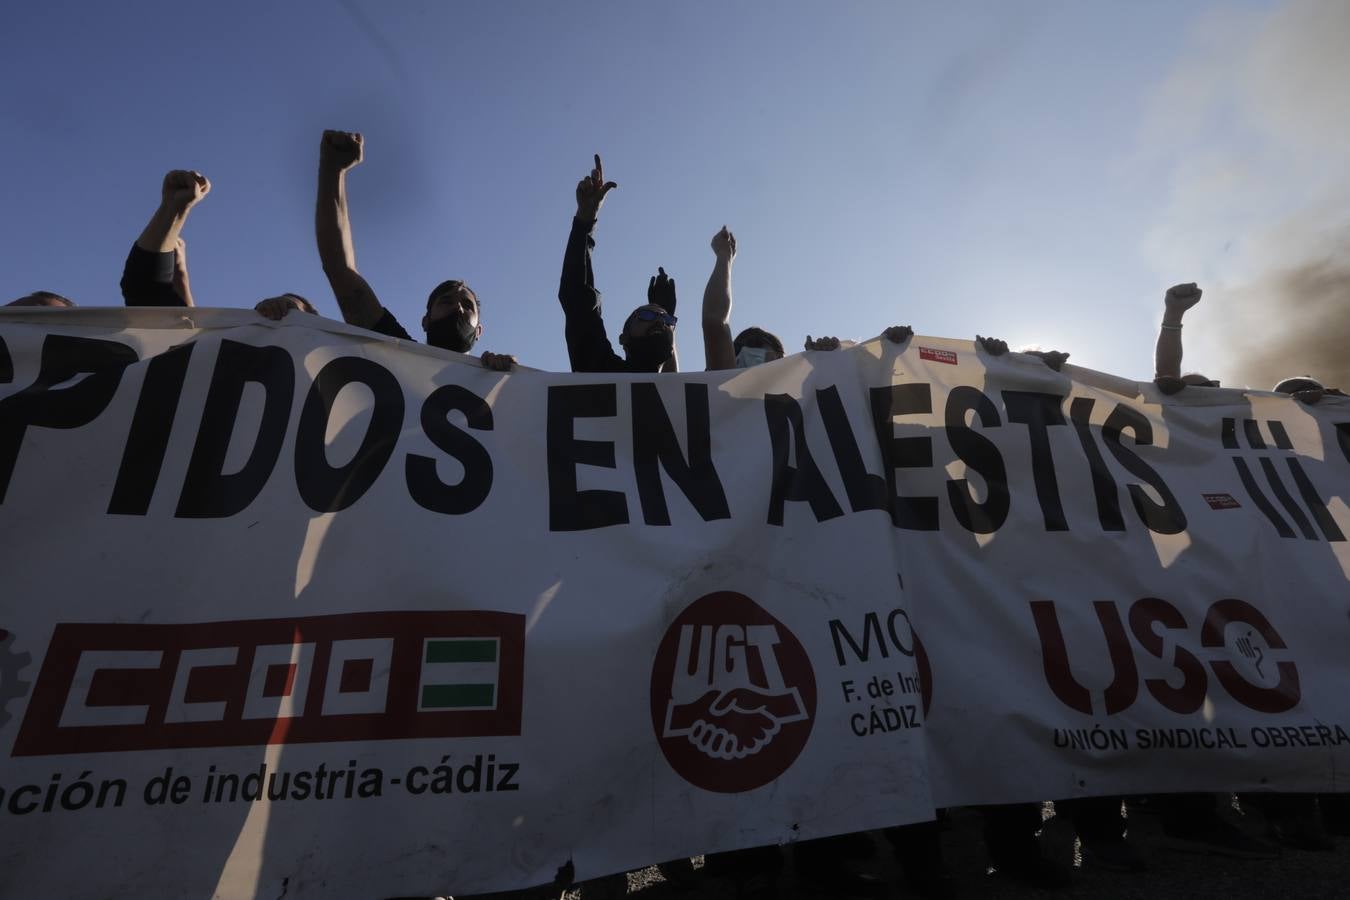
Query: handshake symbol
{"points": [[735, 723]]}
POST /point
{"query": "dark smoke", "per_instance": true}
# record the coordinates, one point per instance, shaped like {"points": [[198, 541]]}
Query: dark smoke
{"points": [[1305, 316]]}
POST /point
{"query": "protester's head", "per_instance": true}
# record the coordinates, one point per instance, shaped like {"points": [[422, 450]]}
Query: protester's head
{"points": [[43, 298], [1298, 383], [451, 322], [754, 346], [301, 303], [648, 337], [1195, 379]]}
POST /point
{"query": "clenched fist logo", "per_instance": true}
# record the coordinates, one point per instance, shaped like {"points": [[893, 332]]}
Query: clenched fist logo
{"points": [[733, 694]]}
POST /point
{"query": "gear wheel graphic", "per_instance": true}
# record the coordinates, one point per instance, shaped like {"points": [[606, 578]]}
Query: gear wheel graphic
{"points": [[12, 687]]}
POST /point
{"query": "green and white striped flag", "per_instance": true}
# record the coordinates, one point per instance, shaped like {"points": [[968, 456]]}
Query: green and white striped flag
{"points": [[458, 673]]}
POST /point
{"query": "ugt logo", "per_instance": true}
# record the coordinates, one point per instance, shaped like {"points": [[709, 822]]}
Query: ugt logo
{"points": [[733, 695]]}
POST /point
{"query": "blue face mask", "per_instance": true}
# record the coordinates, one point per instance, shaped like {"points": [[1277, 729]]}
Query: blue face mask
{"points": [[751, 356]]}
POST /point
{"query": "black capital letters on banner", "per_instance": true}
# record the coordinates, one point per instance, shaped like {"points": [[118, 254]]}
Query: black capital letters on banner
{"points": [[1103, 484], [865, 490], [424, 485], [6, 364], [1343, 439], [800, 482], [981, 456], [1039, 411], [1164, 518], [63, 358], [655, 446], [568, 508], [208, 492], [148, 439], [327, 488], [914, 513]]}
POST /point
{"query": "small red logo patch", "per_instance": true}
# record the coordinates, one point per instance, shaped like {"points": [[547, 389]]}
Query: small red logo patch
{"points": [[942, 356], [1221, 501]]}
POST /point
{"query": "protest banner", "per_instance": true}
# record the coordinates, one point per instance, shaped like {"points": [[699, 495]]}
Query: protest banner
{"points": [[292, 606]]}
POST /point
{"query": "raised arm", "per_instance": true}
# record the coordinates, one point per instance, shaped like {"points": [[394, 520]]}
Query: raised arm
{"points": [[155, 273], [1167, 355], [718, 349], [181, 285], [338, 152], [661, 292], [588, 347]]}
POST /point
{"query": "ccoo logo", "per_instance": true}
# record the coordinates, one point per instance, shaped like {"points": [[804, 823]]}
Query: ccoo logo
{"points": [[733, 695]]}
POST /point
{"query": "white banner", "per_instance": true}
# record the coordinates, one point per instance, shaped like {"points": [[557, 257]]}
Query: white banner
{"points": [[290, 606]]}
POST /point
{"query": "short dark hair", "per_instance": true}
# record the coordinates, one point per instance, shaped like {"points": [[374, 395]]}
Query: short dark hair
{"points": [[27, 300], [758, 336], [309, 307], [453, 284]]}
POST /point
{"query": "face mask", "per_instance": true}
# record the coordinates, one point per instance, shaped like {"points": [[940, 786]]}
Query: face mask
{"points": [[646, 353], [751, 356], [452, 333]]}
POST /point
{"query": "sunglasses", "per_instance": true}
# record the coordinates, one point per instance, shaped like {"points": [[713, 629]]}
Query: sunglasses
{"points": [[651, 315]]}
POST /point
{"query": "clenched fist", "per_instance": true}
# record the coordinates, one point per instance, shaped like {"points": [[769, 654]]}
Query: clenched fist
{"points": [[1181, 297], [724, 244], [183, 189], [341, 149]]}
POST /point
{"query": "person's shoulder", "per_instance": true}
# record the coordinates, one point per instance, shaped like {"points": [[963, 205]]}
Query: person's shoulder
{"points": [[387, 325]]}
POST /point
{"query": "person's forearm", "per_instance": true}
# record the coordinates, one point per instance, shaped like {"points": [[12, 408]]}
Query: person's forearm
{"points": [[332, 227], [718, 351], [1167, 353], [183, 288], [576, 285], [161, 232]]}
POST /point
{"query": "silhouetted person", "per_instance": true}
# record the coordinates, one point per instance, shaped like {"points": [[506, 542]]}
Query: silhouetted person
{"points": [[156, 272], [452, 320], [648, 336]]}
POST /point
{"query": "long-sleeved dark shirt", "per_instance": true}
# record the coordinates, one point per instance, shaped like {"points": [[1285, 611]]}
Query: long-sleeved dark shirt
{"points": [[147, 279], [388, 325], [588, 347]]}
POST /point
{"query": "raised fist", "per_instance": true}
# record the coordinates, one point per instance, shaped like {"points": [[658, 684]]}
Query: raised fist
{"points": [[341, 149], [591, 191], [183, 189], [1181, 297], [661, 290], [724, 244], [898, 334], [824, 343]]}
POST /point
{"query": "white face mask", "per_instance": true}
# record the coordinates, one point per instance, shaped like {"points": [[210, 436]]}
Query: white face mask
{"points": [[751, 356]]}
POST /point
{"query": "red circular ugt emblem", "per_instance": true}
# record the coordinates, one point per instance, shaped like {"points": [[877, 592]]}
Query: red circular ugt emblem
{"points": [[733, 694]]}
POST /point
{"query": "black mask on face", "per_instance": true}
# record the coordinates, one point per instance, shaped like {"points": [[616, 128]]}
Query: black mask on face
{"points": [[646, 353], [452, 333]]}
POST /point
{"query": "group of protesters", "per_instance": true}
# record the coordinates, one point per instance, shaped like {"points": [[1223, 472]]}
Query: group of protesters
{"points": [[156, 274]]}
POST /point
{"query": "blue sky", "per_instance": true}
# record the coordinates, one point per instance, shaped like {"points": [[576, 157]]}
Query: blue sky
{"points": [[1007, 169]]}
